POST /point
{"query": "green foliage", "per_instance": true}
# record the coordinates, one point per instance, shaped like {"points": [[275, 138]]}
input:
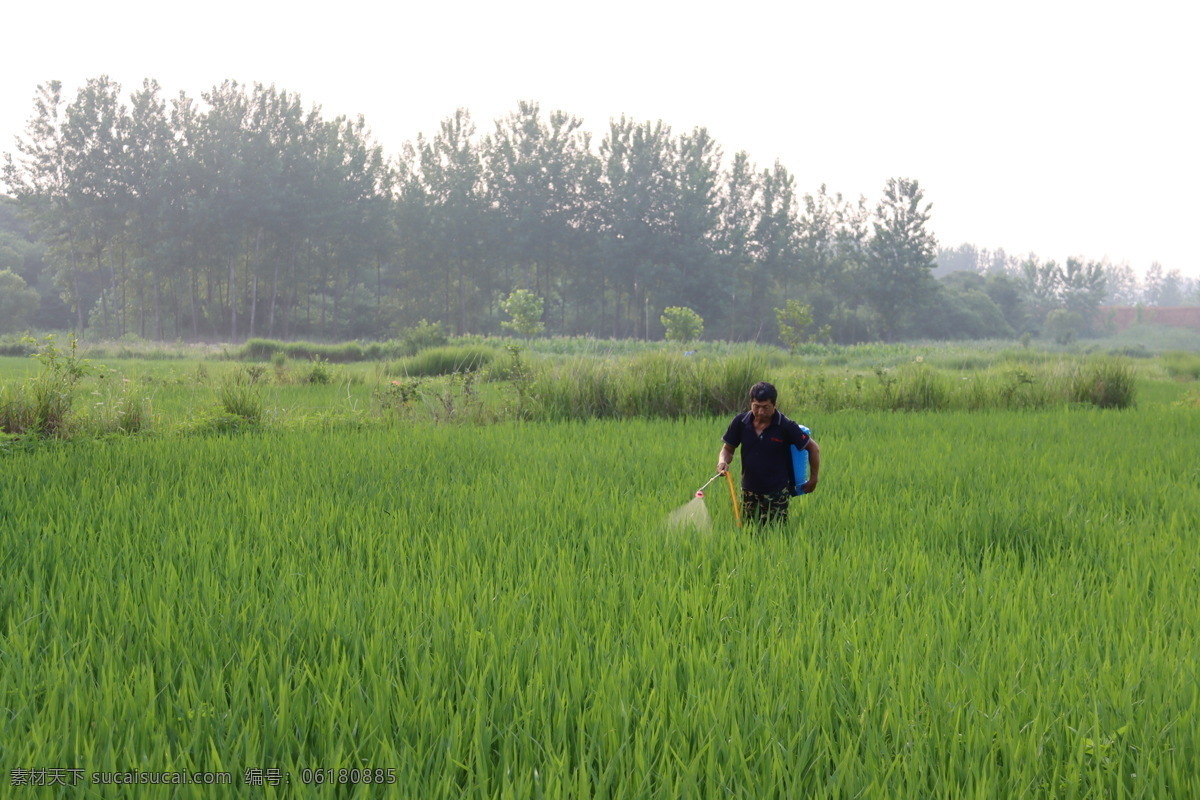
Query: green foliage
{"points": [[682, 324], [525, 308]]}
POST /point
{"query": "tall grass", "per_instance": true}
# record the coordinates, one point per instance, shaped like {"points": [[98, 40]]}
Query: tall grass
{"points": [[444, 361], [648, 385]]}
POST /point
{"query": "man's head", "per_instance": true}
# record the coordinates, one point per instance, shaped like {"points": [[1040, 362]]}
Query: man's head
{"points": [[762, 402]]}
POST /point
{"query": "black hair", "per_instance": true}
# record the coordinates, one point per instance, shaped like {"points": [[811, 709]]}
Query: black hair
{"points": [[763, 391]]}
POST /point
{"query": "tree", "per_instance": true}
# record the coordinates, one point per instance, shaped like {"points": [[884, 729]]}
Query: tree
{"points": [[900, 254], [734, 231], [682, 324], [1163, 288], [17, 302], [1042, 284], [795, 319], [1082, 288], [639, 189], [525, 308], [1121, 285]]}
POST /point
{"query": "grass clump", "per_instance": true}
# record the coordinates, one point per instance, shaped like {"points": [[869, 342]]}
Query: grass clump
{"points": [[268, 349], [240, 395], [43, 405], [444, 361], [125, 408], [1105, 384]]}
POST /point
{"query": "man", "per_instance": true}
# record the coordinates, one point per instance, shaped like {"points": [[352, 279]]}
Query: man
{"points": [[765, 435]]}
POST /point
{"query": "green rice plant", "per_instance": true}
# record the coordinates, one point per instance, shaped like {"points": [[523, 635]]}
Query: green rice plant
{"points": [[520, 620]]}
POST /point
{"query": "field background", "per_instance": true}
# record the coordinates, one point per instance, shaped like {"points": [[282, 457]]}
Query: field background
{"points": [[973, 604]]}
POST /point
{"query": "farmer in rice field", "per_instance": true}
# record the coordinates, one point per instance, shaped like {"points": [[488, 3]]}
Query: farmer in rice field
{"points": [[765, 435]]}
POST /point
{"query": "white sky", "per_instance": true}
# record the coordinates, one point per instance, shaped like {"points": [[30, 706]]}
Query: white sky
{"points": [[1053, 126]]}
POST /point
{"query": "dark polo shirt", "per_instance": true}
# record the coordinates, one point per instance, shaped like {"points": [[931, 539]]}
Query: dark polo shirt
{"points": [[766, 458]]}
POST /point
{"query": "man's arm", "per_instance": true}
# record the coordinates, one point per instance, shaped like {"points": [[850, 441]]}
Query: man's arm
{"points": [[814, 466], [724, 458]]}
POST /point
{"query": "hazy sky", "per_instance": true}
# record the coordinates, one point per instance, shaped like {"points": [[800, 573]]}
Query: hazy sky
{"points": [[1062, 128]]}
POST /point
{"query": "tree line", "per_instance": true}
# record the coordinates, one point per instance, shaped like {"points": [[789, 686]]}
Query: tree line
{"points": [[245, 213]]}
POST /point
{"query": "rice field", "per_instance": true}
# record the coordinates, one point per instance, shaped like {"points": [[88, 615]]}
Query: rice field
{"points": [[983, 605]]}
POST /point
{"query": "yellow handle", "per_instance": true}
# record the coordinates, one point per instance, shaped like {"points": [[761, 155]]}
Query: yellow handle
{"points": [[737, 513]]}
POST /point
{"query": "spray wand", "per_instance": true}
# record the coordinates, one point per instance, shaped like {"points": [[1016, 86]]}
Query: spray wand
{"points": [[700, 491], [737, 514]]}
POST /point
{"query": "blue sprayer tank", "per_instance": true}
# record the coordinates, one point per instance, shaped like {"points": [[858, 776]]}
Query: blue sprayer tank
{"points": [[799, 465]]}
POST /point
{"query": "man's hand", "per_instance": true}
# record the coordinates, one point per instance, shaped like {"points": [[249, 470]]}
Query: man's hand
{"points": [[809, 487], [722, 468]]}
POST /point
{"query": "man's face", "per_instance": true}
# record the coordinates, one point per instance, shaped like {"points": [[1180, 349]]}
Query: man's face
{"points": [[763, 410]]}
